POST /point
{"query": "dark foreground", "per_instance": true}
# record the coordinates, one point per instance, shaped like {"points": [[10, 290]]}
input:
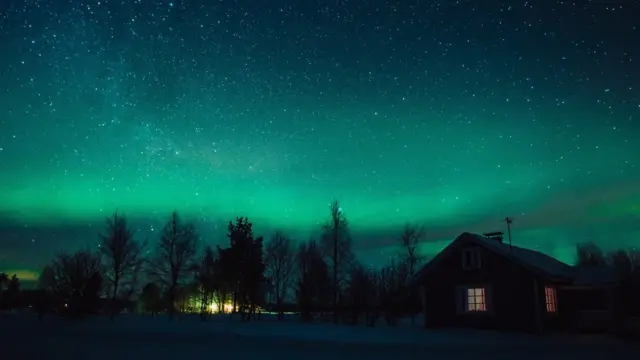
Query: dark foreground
{"points": [[72, 341]]}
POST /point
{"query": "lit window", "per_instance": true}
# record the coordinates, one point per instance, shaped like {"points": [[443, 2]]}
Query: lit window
{"points": [[551, 299], [476, 300]]}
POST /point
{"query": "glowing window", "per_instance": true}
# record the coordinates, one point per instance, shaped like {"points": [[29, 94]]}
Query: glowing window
{"points": [[476, 299], [551, 299]]}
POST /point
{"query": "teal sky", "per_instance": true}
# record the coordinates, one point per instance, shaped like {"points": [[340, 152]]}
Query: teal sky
{"points": [[452, 116]]}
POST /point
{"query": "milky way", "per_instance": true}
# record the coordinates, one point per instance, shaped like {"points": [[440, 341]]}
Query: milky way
{"points": [[453, 114]]}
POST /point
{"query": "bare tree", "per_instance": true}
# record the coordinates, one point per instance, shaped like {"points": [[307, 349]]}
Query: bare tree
{"points": [[174, 259], [625, 261], [75, 281], [206, 278], [589, 254], [410, 241], [362, 293], [393, 279], [626, 265], [280, 263], [122, 258], [338, 248]]}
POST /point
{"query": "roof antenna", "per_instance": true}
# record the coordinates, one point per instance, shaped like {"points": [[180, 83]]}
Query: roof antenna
{"points": [[509, 220]]}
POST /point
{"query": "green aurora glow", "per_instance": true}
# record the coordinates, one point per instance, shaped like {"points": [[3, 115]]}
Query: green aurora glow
{"points": [[458, 136]]}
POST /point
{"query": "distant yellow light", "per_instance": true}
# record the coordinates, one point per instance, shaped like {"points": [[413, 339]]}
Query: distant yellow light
{"points": [[228, 307], [22, 274]]}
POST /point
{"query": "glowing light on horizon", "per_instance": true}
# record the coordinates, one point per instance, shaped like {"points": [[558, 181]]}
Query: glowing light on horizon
{"points": [[216, 123], [227, 307]]}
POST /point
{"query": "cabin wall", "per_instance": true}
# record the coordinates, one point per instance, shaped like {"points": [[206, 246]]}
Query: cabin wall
{"points": [[586, 309], [511, 305], [551, 321]]}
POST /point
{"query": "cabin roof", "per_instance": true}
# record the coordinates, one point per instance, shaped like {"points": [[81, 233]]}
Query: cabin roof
{"points": [[533, 260], [530, 258]]}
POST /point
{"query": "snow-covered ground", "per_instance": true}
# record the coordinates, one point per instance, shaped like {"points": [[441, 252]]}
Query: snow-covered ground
{"points": [[137, 337]]}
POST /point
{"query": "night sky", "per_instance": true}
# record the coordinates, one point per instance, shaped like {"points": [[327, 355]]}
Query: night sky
{"points": [[453, 114]]}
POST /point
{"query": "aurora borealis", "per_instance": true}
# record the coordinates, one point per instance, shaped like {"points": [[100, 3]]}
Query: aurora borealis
{"points": [[453, 114]]}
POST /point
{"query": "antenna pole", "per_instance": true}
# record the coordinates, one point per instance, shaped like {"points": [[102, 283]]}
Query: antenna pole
{"points": [[508, 220]]}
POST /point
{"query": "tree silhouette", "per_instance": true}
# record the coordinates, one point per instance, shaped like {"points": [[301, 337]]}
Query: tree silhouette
{"points": [[245, 267], [186, 293], [225, 278], [151, 298], [363, 294], [254, 280], [174, 259], [206, 278], [625, 261], [240, 235], [337, 246], [393, 280], [314, 282], [4, 281], [122, 258], [13, 292], [9, 298], [410, 241], [627, 265], [45, 299], [280, 265], [75, 280], [589, 254]]}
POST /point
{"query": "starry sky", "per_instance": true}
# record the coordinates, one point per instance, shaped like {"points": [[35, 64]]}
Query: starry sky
{"points": [[452, 114]]}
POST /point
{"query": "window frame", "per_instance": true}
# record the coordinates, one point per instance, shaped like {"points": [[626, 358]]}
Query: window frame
{"points": [[471, 259], [479, 297], [463, 296], [551, 299]]}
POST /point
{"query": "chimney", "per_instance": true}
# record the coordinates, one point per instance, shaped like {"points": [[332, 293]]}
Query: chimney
{"points": [[497, 236]]}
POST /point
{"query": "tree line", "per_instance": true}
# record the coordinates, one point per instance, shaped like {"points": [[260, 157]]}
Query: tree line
{"points": [[315, 278], [626, 264], [319, 277]]}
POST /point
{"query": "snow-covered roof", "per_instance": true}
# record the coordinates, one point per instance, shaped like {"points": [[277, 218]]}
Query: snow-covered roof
{"points": [[533, 260], [530, 258]]}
